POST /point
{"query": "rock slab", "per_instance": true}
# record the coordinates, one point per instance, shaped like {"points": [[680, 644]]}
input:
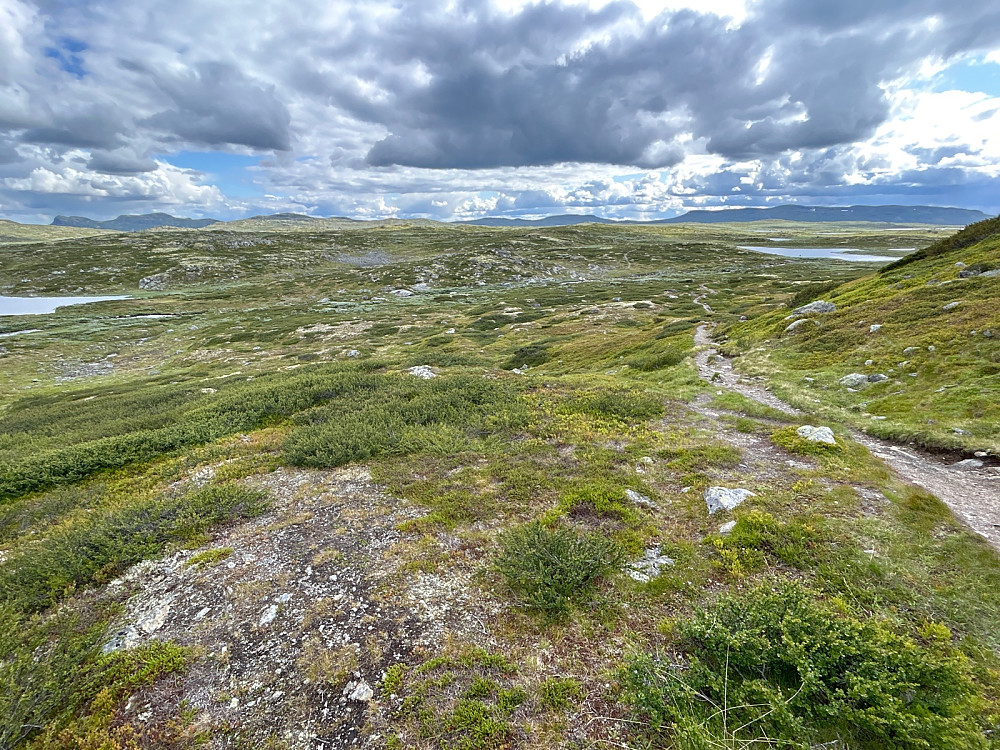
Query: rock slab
{"points": [[724, 498]]}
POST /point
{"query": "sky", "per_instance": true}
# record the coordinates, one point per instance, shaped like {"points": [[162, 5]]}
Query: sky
{"points": [[460, 109]]}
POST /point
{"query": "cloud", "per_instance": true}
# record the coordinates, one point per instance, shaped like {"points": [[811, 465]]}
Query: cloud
{"points": [[446, 108], [216, 104]]}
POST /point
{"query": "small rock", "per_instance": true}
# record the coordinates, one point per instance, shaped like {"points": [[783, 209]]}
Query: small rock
{"points": [[981, 454], [362, 693], [990, 274], [968, 464], [874, 327], [817, 434], [352, 353], [877, 378], [267, 617], [819, 306], [910, 350], [960, 264], [450, 330], [869, 362], [723, 498], [639, 499], [952, 305], [968, 273], [401, 293], [799, 324], [422, 371], [854, 380], [647, 567], [727, 528]]}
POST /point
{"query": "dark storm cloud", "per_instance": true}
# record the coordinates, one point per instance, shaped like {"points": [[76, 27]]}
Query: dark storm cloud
{"points": [[215, 104], [119, 162], [795, 75]]}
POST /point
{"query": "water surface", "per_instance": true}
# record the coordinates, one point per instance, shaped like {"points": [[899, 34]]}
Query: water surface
{"points": [[43, 305], [835, 253]]}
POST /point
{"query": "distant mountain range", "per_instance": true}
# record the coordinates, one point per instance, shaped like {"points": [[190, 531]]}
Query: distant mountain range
{"points": [[881, 214], [132, 222], [878, 214], [561, 220]]}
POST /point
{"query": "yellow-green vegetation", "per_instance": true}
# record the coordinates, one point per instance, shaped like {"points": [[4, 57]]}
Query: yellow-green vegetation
{"points": [[553, 436], [209, 557], [928, 323]]}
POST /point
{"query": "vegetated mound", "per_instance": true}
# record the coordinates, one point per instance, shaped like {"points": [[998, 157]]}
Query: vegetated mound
{"points": [[12, 231], [978, 232], [921, 340]]}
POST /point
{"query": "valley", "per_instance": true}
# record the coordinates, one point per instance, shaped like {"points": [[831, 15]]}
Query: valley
{"points": [[406, 484]]}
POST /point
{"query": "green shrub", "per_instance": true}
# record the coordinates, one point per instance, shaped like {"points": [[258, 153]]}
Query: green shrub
{"points": [[528, 356], [657, 360], [101, 546], [782, 667], [558, 693], [758, 536], [618, 404], [549, 570], [399, 415]]}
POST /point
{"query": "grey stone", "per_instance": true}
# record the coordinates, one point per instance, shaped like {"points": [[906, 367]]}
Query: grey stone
{"points": [[819, 306], [968, 273], [817, 434], [951, 305], [874, 327], [727, 528], [401, 293], [268, 615], [798, 324], [724, 498], [990, 274], [854, 380], [877, 378], [647, 567], [968, 464], [362, 692], [422, 371], [910, 350], [639, 499]]}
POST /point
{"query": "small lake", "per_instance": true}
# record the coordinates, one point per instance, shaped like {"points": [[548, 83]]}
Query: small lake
{"points": [[835, 253], [43, 305]]}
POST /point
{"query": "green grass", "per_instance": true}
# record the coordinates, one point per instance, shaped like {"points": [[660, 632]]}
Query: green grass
{"points": [[287, 349]]}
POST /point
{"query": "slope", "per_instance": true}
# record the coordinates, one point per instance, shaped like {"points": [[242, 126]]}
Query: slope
{"points": [[924, 332]]}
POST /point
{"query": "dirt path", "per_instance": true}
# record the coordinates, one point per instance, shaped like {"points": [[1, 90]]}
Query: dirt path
{"points": [[972, 494]]}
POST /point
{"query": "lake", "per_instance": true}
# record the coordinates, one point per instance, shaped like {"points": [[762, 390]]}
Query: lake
{"points": [[43, 305], [836, 253]]}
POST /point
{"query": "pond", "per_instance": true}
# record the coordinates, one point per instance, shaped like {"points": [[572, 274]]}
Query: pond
{"points": [[43, 305], [836, 253]]}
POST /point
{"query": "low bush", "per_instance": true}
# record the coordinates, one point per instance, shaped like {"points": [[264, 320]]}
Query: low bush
{"points": [[102, 545], [550, 570], [782, 667]]}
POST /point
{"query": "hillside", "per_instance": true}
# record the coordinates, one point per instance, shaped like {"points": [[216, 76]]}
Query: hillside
{"points": [[12, 231], [929, 323], [406, 485]]}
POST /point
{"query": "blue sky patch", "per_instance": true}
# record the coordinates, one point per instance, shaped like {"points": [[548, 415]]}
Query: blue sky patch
{"points": [[970, 75], [67, 54], [227, 171]]}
